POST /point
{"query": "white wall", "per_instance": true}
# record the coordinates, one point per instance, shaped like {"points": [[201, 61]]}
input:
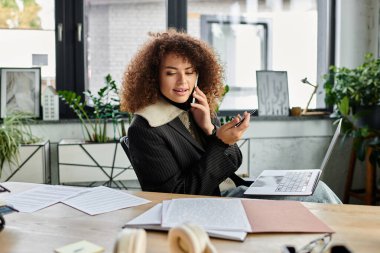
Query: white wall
{"points": [[17, 47], [357, 31]]}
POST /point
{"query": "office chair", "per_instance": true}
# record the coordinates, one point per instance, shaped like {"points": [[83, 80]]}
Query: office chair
{"points": [[125, 144]]}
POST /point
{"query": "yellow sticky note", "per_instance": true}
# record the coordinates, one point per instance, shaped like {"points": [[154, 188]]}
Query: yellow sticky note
{"points": [[80, 247]]}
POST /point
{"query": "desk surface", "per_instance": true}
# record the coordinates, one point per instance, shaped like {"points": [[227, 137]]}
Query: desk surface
{"points": [[358, 227]]}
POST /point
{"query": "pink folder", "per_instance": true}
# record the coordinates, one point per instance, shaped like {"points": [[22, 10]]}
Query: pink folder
{"points": [[270, 216]]}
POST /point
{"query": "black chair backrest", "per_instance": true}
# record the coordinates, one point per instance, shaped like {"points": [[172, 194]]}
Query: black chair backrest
{"points": [[125, 144], [235, 178]]}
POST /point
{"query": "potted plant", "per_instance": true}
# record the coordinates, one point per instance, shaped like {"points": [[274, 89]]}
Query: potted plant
{"points": [[15, 134], [355, 96], [105, 106], [100, 148]]}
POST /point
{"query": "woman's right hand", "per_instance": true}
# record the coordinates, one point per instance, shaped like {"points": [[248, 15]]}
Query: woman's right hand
{"points": [[229, 133]]}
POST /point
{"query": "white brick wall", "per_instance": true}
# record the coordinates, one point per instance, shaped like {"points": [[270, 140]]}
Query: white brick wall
{"points": [[116, 31]]}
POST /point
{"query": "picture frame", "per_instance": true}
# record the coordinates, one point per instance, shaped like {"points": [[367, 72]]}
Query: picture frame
{"points": [[20, 90], [272, 93]]}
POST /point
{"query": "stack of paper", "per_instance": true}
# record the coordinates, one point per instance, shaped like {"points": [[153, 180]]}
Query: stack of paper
{"points": [[231, 218], [177, 211], [40, 197], [93, 201], [103, 199]]}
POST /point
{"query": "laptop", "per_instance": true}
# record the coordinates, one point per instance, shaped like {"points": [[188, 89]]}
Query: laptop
{"points": [[291, 182]]}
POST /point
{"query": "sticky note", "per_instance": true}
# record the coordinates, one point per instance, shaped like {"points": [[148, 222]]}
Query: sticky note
{"points": [[80, 247]]}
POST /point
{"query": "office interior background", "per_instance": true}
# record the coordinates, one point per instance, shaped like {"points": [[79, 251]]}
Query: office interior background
{"points": [[77, 43]]}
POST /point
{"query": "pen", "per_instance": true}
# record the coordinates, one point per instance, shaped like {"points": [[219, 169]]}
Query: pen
{"points": [[241, 121]]}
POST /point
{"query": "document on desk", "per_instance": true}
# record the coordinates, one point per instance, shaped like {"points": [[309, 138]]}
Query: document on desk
{"points": [[40, 197], [152, 218], [264, 216], [210, 213], [102, 199]]}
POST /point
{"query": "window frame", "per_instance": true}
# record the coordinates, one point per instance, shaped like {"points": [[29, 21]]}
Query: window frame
{"points": [[326, 45], [266, 56], [70, 48], [70, 53]]}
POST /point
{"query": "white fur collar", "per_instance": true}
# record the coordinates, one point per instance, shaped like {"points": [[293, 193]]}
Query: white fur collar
{"points": [[160, 113]]}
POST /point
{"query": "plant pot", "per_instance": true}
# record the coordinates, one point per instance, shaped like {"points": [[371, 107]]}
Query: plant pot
{"points": [[89, 163], [368, 116], [33, 165]]}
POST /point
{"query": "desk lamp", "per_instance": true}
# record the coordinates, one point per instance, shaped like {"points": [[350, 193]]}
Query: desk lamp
{"points": [[312, 94]]}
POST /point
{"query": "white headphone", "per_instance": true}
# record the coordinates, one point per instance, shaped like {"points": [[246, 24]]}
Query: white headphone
{"points": [[131, 241], [187, 238], [190, 238]]}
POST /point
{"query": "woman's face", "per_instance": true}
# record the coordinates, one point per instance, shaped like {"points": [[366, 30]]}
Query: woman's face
{"points": [[177, 78]]}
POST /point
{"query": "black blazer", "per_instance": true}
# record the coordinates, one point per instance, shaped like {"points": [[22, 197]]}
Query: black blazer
{"points": [[168, 159]]}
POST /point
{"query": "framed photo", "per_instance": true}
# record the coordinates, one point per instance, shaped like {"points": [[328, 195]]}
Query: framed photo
{"points": [[20, 91], [272, 93]]}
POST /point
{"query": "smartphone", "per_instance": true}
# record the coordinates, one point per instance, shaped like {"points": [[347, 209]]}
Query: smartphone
{"points": [[241, 121], [196, 84]]}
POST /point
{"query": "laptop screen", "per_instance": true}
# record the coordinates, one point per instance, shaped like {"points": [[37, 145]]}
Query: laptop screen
{"points": [[331, 146]]}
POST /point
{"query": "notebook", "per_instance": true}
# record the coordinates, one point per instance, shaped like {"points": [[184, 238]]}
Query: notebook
{"points": [[292, 182]]}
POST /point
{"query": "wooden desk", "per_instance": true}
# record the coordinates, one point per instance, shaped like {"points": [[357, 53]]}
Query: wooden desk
{"points": [[358, 227]]}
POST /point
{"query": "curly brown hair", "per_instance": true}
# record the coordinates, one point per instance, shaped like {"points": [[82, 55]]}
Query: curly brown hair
{"points": [[140, 86]]}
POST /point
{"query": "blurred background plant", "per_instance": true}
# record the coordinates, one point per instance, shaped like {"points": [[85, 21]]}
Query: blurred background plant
{"points": [[224, 119], [14, 131], [100, 109], [354, 95]]}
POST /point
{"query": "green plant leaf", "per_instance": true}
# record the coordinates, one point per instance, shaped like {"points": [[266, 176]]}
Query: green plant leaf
{"points": [[347, 89], [105, 106], [344, 106], [14, 131]]}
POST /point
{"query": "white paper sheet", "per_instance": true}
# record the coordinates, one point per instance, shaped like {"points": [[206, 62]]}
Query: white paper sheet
{"points": [[40, 197], [151, 219], [210, 213], [103, 199]]}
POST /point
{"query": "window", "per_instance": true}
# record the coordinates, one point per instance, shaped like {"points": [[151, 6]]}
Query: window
{"points": [[242, 46], [27, 37], [77, 42], [114, 31], [96, 38], [292, 44]]}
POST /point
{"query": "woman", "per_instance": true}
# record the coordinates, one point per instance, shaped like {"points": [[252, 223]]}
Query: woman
{"points": [[176, 144]]}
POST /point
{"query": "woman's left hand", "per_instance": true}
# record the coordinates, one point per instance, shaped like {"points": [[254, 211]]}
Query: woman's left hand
{"points": [[201, 111]]}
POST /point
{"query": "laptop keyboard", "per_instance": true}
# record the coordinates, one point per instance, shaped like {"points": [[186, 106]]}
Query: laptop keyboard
{"points": [[294, 181]]}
